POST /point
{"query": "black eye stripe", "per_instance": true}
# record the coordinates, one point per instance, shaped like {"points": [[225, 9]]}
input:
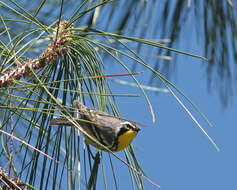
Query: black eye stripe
{"points": [[129, 125]]}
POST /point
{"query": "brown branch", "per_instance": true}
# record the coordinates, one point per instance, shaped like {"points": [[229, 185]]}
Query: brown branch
{"points": [[10, 183], [60, 44]]}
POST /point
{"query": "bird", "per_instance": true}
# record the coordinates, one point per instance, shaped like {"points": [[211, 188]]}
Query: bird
{"points": [[110, 131]]}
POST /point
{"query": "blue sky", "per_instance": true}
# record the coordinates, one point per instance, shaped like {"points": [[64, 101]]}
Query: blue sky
{"points": [[173, 151]]}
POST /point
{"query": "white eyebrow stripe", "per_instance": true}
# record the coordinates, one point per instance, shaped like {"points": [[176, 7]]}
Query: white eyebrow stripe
{"points": [[129, 123], [126, 122]]}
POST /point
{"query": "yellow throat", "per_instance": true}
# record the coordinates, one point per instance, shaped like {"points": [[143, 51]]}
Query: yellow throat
{"points": [[125, 139]]}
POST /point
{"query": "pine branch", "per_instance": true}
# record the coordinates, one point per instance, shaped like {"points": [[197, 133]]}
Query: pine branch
{"points": [[59, 45]]}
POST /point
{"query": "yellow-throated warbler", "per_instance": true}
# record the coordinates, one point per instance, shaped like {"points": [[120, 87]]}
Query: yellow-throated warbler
{"points": [[109, 131]]}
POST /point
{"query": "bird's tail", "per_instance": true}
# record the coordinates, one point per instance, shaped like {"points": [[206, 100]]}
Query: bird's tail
{"points": [[63, 121]]}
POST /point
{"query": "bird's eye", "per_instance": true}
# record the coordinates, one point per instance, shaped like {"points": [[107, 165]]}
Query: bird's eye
{"points": [[131, 126]]}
